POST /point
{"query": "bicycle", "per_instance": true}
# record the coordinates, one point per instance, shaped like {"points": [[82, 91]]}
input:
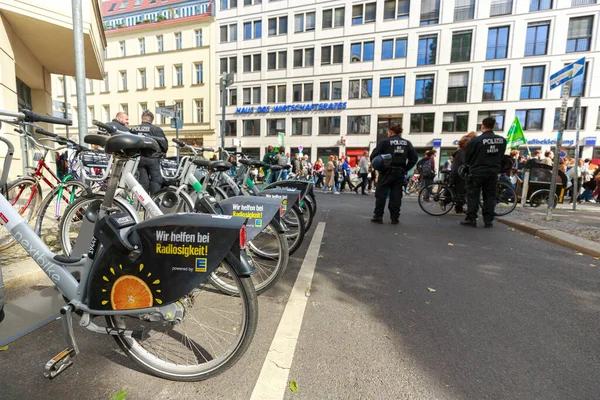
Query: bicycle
{"points": [[139, 277]]}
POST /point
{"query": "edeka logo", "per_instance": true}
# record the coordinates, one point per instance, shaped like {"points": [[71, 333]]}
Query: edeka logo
{"points": [[292, 108], [38, 257], [200, 264]]}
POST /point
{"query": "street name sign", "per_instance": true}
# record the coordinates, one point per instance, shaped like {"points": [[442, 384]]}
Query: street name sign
{"points": [[568, 73], [167, 111]]}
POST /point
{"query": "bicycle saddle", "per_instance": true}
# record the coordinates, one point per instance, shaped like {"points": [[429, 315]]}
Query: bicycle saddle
{"points": [[286, 167], [276, 167], [126, 143], [99, 140], [217, 165], [252, 163]]}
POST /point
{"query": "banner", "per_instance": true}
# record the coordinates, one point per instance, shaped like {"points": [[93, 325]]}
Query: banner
{"points": [[515, 137]]}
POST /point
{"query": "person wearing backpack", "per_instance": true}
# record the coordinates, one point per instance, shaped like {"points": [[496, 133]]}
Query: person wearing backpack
{"points": [[427, 169]]}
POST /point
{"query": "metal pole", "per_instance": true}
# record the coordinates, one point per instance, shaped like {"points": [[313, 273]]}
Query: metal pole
{"points": [[65, 103], [577, 110], [223, 122], [177, 129], [559, 139], [79, 68]]}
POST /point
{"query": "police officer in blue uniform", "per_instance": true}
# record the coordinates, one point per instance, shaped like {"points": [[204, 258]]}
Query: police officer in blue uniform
{"points": [[403, 158], [484, 158]]}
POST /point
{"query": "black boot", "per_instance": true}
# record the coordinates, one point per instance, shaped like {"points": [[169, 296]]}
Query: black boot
{"points": [[377, 220], [469, 222]]}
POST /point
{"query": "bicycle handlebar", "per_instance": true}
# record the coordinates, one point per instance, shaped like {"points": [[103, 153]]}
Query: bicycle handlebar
{"points": [[30, 116], [60, 139], [106, 127], [46, 133], [179, 142], [12, 114]]}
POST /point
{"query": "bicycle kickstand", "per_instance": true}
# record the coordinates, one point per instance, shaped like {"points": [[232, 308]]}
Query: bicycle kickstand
{"points": [[64, 359]]}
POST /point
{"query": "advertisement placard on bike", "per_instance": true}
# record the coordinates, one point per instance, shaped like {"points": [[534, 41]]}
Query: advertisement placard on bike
{"points": [[259, 211], [289, 197], [175, 254], [303, 186]]}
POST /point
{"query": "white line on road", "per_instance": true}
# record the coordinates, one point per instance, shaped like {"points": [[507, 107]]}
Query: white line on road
{"points": [[273, 378]]}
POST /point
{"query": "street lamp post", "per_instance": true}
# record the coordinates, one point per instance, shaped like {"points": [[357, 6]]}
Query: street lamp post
{"points": [[225, 82]]}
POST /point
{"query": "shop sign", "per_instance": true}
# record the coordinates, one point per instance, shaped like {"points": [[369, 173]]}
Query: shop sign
{"points": [[437, 142], [590, 141], [292, 108]]}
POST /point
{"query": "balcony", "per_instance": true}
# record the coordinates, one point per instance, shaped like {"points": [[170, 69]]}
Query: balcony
{"points": [[430, 18], [501, 8], [464, 13]]}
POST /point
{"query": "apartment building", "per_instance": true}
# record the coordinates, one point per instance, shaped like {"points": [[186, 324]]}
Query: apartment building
{"points": [[333, 75], [159, 53]]}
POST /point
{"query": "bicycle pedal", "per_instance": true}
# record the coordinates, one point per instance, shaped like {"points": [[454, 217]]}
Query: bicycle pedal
{"points": [[59, 363]]}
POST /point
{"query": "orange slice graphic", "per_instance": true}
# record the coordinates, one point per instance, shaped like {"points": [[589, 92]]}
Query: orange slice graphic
{"points": [[130, 292]]}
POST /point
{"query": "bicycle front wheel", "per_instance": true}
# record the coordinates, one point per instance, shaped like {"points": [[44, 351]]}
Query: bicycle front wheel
{"points": [[25, 197], [506, 199], [437, 199], [215, 332]]}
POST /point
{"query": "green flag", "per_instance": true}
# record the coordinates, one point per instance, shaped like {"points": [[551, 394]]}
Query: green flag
{"points": [[516, 137]]}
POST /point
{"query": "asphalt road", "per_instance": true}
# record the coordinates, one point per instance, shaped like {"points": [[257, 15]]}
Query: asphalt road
{"points": [[426, 309]]}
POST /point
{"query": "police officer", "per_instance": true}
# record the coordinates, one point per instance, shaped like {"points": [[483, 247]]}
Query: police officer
{"points": [[149, 167], [404, 157], [120, 122], [484, 158]]}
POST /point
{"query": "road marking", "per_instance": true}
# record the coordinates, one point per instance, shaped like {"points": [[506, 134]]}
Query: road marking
{"points": [[273, 378]]}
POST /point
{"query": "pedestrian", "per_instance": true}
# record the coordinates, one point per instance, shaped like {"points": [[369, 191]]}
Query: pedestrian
{"points": [[319, 173], [346, 172], [330, 176], [306, 166], [149, 167], [403, 158], [269, 159], [535, 156], [426, 169], [120, 123], [455, 178], [363, 172], [297, 164], [282, 160], [549, 160], [372, 178], [484, 156]]}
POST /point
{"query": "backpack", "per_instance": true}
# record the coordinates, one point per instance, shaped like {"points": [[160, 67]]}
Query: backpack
{"points": [[426, 169], [419, 166]]}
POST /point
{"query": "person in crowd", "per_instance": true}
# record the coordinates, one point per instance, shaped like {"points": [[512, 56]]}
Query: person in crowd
{"points": [[404, 157], [448, 164], [535, 156], [372, 179], [306, 166], [363, 172], [549, 158], [269, 159], [330, 176], [149, 167], [319, 173], [297, 164], [282, 160], [426, 169], [120, 122], [346, 172], [456, 180], [337, 174], [484, 156]]}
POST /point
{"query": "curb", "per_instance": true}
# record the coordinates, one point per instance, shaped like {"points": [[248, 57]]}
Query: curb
{"points": [[561, 238]]}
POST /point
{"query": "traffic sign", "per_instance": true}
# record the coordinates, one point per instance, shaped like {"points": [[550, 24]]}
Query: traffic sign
{"points": [[166, 111], [60, 104], [568, 73], [179, 123]]}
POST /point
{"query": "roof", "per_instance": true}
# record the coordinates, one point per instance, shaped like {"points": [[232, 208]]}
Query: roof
{"points": [[133, 6]]}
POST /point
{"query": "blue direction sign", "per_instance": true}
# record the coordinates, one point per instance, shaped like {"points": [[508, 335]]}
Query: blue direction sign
{"points": [[569, 72]]}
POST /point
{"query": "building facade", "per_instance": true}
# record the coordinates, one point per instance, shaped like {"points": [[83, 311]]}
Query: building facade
{"points": [[32, 33], [333, 74], [159, 54]]}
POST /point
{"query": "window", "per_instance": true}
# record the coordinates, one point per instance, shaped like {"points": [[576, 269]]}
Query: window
{"points": [[251, 95], [461, 46], [278, 26], [123, 81], [363, 13], [430, 12], [531, 120], [424, 89], [177, 40], [304, 57], [570, 121], [178, 75], [112, 7], [532, 82], [122, 49], [501, 7], [362, 51], [458, 86], [580, 34], [90, 86], [252, 127], [159, 44], [198, 111], [142, 42], [179, 108], [536, 41], [106, 112], [137, 3], [142, 79], [329, 125], [251, 2], [331, 90], [277, 60], [227, 4], [276, 94], [160, 77], [274, 126], [198, 73], [232, 97], [230, 128], [252, 63], [142, 107], [464, 10], [391, 86], [578, 84], [455, 122], [61, 92], [539, 5], [124, 107], [304, 22], [105, 84], [359, 125], [91, 115], [422, 123], [497, 115], [332, 54], [160, 120], [427, 50], [228, 64], [198, 37], [582, 2], [302, 92], [360, 88], [228, 33], [493, 85], [333, 18], [302, 126], [252, 30], [393, 48], [497, 45], [396, 9]]}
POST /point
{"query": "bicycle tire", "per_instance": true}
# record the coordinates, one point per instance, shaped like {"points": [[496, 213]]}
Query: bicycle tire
{"points": [[541, 197], [296, 228], [506, 198], [437, 199], [308, 214], [52, 209], [30, 207], [313, 199], [145, 355], [184, 202]]}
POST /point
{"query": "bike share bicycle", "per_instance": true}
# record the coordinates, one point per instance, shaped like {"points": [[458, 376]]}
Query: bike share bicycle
{"points": [[148, 279]]}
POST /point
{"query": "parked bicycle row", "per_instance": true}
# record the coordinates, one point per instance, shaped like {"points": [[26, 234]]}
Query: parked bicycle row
{"points": [[173, 275]]}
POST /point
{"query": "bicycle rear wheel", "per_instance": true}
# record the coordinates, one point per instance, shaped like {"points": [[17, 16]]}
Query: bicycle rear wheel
{"points": [[542, 198], [308, 213], [506, 199], [437, 199], [294, 222], [215, 332], [25, 196]]}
